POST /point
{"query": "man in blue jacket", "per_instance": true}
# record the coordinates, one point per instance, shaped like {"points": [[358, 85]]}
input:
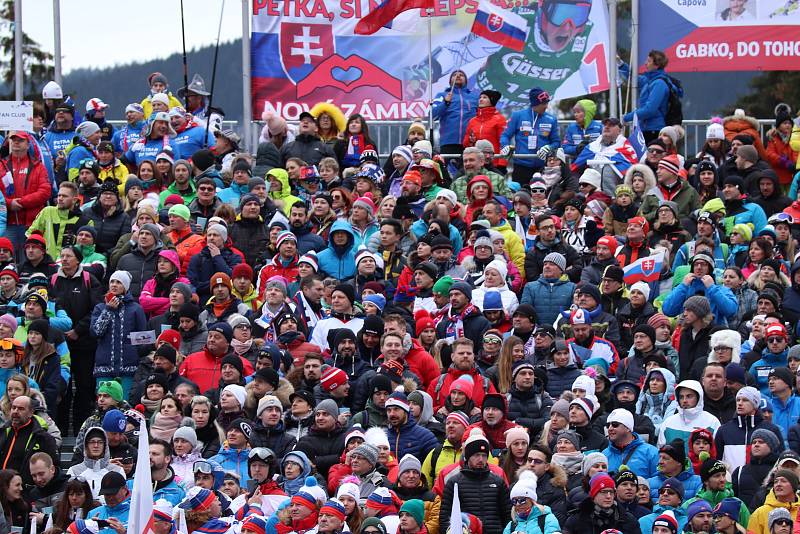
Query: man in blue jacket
{"points": [[338, 260], [453, 108], [534, 131], [625, 447], [405, 435], [118, 501], [654, 90], [164, 485], [700, 281]]}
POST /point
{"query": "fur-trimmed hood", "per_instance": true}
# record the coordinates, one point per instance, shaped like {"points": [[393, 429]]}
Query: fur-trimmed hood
{"points": [[732, 122], [558, 476], [728, 338], [285, 389], [647, 172], [336, 114], [754, 280]]}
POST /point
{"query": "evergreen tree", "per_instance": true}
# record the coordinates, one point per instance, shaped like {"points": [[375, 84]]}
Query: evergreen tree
{"points": [[768, 90], [37, 63]]}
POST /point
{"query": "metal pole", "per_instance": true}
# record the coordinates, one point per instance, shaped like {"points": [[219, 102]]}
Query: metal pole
{"points": [[430, 73], [634, 91], [213, 74], [57, 40], [247, 104], [18, 71], [185, 61], [613, 109]]}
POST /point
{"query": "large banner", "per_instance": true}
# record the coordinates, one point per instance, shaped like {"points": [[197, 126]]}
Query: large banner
{"points": [[305, 51], [720, 35]]}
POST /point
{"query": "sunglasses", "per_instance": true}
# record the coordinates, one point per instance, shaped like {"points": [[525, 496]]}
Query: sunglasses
{"points": [[538, 190], [662, 491], [492, 341], [615, 424], [774, 339], [536, 461], [206, 189], [782, 522], [517, 501]]}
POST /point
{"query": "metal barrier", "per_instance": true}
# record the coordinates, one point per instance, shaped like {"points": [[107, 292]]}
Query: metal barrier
{"points": [[389, 134]]}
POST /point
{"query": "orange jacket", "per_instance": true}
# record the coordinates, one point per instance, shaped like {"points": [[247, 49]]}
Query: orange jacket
{"points": [[781, 157], [185, 242], [489, 124]]}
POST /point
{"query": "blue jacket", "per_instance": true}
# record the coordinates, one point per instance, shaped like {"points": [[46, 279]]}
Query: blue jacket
{"points": [[691, 483], [453, 117], [548, 297], [646, 522], [785, 415], [191, 140], [138, 152], [575, 135], [119, 511], [234, 460], [525, 123], [58, 140], [560, 379], [654, 88], [761, 368], [723, 302], [531, 524], [753, 213], [643, 461], [203, 266], [172, 492], [115, 355], [307, 240], [411, 439], [77, 154], [341, 263], [126, 136], [231, 195]]}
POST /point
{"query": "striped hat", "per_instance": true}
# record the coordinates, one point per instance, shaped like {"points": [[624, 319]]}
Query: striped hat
{"points": [[283, 236], [670, 163], [162, 509], [332, 507], [254, 523], [384, 500], [80, 526], [198, 501], [459, 417], [305, 499], [587, 404], [367, 203], [310, 258], [399, 399]]}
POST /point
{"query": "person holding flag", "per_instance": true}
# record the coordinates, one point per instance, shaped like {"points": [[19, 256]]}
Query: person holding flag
{"points": [[700, 281]]}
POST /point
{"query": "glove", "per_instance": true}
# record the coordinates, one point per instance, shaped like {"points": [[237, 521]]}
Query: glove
{"points": [[786, 162], [506, 151], [544, 152]]}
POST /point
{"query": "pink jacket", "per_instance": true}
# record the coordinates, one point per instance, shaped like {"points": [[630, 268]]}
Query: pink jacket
{"points": [[151, 305]]}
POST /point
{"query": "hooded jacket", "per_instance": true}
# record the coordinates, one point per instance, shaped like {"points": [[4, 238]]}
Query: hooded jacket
{"points": [[284, 194], [203, 266], [777, 201], [54, 223], [655, 87], [761, 368], [748, 479], [94, 470], [454, 116], [723, 303], [31, 184], [488, 124], [759, 519], [339, 261], [548, 297], [657, 407], [577, 136], [234, 460], [681, 424], [529, 409]]}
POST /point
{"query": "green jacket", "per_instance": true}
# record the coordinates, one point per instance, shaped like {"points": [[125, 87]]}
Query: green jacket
{"points": [[499, 187], [53, 223], [715, 497], [173, 190], [687, 200]]}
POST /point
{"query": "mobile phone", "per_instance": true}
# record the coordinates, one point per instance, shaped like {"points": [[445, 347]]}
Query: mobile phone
{"points": [[251, 486], [102, 523], [109, 297]]}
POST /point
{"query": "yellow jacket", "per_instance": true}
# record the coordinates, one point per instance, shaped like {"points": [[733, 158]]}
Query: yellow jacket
{"points": [[794, 143], [119, 172], [148, 106], [514, 246], [758, 520]]}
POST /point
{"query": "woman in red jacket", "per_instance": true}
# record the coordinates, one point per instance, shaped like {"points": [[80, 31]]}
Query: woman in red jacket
{"points": [[488, 123]]}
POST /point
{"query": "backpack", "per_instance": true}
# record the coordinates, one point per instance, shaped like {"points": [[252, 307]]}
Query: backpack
{"points": [[86, 280], [674, 115]]}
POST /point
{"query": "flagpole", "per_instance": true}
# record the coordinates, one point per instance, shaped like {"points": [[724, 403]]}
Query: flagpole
{"points": [[429, 12]]}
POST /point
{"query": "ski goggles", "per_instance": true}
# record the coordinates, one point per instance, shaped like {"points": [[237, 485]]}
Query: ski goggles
{"points": [[781, 218], [558, 13], [261, 453], [201, 466]]}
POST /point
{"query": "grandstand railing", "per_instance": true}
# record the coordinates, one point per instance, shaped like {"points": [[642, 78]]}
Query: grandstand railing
{"points": [[389, 134]]}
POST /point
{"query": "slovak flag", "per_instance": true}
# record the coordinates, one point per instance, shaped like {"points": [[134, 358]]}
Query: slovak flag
{"points": [[647, 269], [637, 137], [386, 12], [500, 26]]}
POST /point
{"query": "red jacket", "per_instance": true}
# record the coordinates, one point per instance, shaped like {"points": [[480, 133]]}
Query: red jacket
{"points": [[276, 268], [482, 386], [298, 348], [422, 364], [31, 186], [186, 243], [487, 124], [203, 368], [781, 158]]}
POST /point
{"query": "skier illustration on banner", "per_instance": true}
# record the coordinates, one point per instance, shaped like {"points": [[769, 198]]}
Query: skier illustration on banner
{"points": [[563, 55]]}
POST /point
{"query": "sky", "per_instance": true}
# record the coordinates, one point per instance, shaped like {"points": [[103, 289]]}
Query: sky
{"points": [[102, 33]]}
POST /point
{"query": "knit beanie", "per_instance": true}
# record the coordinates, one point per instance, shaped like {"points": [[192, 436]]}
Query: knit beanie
{"points": [[590, 459], [768, 437], [599, 482], [698, 305]]}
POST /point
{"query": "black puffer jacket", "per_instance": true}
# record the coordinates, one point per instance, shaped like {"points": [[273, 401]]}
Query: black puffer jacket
{"points": [[749, 478], [585, 520], [591, 439], [481, 493], [529, 408], [251, 237], [274, 438], [551, 490], [109, 229], [324, 447]]}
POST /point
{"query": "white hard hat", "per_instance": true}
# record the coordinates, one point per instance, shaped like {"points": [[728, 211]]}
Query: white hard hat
{"points": [[52, 91]]}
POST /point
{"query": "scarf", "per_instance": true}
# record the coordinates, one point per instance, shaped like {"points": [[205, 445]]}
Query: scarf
{"points": [[164, 426], [240, 347], [354, 147], [150, 405], [551, 176], [455, 323], [571, 462]]}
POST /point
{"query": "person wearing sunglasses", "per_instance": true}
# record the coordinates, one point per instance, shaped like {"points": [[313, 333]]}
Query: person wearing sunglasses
{"points": [[774, 356], [725, 517], [527, 514], [670, 497], [600, 511], [626, 447]]}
